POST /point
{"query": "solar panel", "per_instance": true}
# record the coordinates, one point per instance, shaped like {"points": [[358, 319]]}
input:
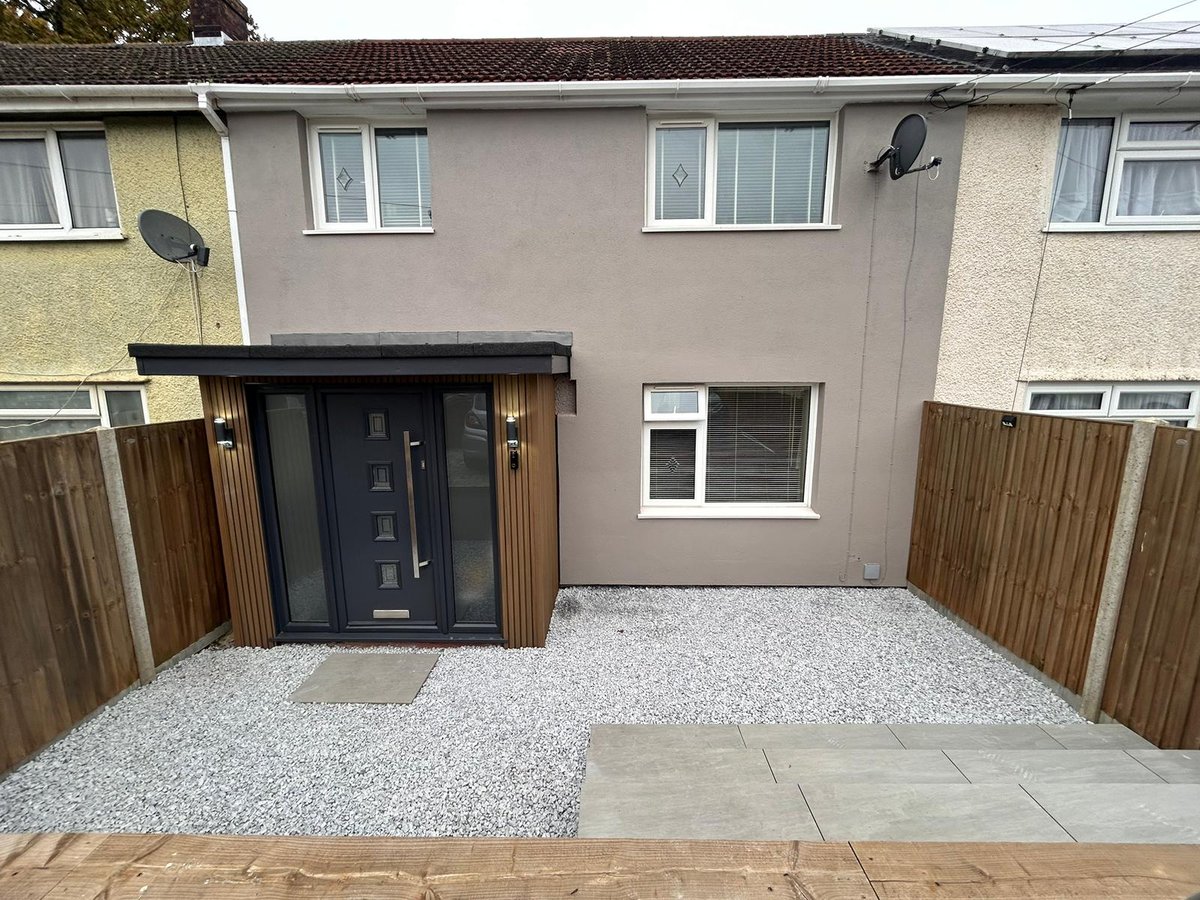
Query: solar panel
{"points": [[1066, 40]]}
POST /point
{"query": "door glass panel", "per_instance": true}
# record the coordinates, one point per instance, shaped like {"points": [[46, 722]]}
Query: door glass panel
{"points": [[469, 480], [287, 420]]}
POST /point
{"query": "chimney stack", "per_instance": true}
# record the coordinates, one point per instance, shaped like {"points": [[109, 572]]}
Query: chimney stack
{"points": [[216, 21]]}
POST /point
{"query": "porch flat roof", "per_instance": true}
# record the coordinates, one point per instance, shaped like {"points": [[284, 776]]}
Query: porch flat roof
{"points": [[474, 358]]}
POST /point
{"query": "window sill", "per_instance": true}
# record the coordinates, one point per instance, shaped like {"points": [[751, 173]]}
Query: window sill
{"points": [[324, 231], [730, 512], [1096, 227], [660, 229], [74, 234]]}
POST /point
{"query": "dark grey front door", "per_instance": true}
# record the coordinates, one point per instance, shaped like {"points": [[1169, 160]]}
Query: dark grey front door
{"points": [[383, 502]]}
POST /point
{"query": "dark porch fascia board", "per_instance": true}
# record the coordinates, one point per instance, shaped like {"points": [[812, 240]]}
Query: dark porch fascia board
{"points": [[502, 358]]}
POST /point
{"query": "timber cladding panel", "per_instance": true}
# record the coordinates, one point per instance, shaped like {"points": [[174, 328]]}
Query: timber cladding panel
{"points": [[1154, 674], [527, 503], [1011, 527], [173, 513], [65, 643]]}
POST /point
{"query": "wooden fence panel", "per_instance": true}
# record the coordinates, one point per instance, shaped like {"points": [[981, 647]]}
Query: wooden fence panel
{"points": [[65, 644], [1154, 674], [1012, 524], [172, 509]]}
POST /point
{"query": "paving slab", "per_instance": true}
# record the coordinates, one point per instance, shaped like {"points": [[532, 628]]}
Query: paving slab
{"points": [[974, 737], [1074, 766], [815, 737], [674, 808], [646, 762], [929, 812], [1096, 737], [366, 678], [878, 766], [1123, 813], [666, 737], [1174, 766]]}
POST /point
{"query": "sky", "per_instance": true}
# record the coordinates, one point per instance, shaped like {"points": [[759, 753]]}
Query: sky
{"points": [[299, 19]]}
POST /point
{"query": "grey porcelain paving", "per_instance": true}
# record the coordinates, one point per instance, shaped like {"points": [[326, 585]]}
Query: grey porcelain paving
{"points": [[1175, 766], [1096, 737], [1076, 766], [929, 812], [878, 766], [1123, 813], [366, 678], [814, 737], [974, 737], [642, 762], [672, 808], [667, 737]]}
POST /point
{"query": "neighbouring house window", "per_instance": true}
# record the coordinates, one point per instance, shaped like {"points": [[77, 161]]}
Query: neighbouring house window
{"points": [[727, 446], [1130, 170], [39, 410], [56, 180], [1177, 404], [735, 174], [369, 177]]}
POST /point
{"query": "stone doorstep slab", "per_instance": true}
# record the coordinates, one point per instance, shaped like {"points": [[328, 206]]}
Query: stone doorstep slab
{"points": [[646, 763], [1059, 766], [366, 678], [1172, 766], [667, 737], [1097, 737], [1123, 813], [816, 737], [974, 737], [877, 766]]}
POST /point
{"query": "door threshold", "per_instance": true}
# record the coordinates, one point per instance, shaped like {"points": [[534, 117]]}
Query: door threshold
{"points": [[384, 638]]}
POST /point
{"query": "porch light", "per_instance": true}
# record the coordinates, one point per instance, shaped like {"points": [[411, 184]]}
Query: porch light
{"points": [[223, 432], [514, 454]]}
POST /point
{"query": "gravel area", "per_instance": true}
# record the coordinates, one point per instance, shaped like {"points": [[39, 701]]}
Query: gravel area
{"points": [[495, 742]]}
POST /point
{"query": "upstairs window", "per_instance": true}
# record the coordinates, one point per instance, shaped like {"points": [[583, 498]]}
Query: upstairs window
{"points": [[1131, 170], [56, 180], [372, 178], [709, 173]]}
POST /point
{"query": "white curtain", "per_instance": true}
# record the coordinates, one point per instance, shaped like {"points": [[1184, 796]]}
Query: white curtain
{"points": [[26, 194], [1080, 402], [89, 179], [1160, 187], [1082, 163]]}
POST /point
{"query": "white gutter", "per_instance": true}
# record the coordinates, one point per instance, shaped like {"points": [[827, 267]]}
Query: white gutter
{"points": [[204, 101]]}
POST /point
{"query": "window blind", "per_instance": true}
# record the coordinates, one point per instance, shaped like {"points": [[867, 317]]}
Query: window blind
{"points": [[771, 173], [343, 176], [672, 464], [757, 444], [679, 170], [402, 157]]}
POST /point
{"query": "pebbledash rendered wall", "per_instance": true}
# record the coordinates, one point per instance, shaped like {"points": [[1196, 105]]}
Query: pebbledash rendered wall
{"points": [[538, 218], [69, 308], [1117, 306]]}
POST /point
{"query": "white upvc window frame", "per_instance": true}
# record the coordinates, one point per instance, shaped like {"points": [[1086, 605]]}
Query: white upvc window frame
{"points": [[697, 508], [1110, 401], [366, 131], [1122, 149], [96, 394], [711, 124], [64, 229]]}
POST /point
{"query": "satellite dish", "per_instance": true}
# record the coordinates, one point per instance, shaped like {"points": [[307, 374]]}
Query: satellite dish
{"points": [[172, 238], [907, 142]]}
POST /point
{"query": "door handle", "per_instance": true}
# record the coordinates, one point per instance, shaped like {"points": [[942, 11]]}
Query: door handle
{"points": [[412, 506]]}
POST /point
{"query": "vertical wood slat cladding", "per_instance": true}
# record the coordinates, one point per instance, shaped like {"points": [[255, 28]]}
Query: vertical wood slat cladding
{"points": [[527, 504], [1012, 525], [1154, 673], [65, 644], [173, 513]]}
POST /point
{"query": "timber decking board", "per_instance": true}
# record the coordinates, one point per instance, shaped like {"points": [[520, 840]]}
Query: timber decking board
{"points": [[254, 868]]}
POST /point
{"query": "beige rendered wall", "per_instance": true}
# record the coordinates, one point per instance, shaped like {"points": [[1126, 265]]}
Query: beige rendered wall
{"points": [[538, 218], [1116, 306], [68, 308]]}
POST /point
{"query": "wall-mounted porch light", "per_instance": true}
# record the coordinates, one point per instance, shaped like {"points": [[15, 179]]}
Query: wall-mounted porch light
{"points": [[224, 433], [514, 454]]}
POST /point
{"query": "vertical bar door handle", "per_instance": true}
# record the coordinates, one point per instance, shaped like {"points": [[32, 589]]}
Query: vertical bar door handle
{"points": [[412, 506]]}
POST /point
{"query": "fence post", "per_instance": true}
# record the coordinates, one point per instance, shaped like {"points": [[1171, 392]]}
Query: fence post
{"points": [[1120, 548], [118, 510]]}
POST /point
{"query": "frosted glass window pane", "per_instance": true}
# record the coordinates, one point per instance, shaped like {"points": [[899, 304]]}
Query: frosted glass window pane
{"points": [[26, 192], [771, 173], [679, 165], [124, 408], [89, 179], [46, 399], [1160, 187], [472, 516], [402, 155], [31, 428], [672, 464], [1081, 169], [343, 177], [667, 402]]}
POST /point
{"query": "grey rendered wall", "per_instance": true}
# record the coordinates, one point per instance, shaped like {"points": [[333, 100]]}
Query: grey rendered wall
{"points": [[538, 217]]}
